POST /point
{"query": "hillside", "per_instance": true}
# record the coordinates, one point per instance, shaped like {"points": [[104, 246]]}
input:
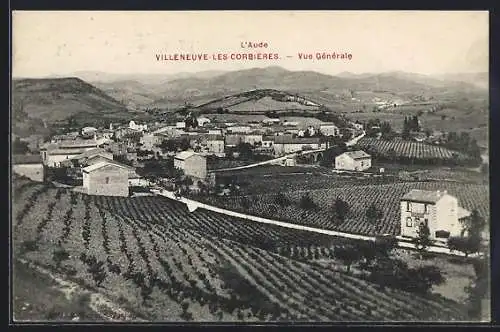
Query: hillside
{"points": [[168, 264], [261, 100], [39, 103]]}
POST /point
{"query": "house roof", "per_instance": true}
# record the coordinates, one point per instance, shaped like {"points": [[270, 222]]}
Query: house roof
{"points": [[26, 159], [214, 137], [359, 154], [91, 153], [424, 196], [68, 152], [285, 139], [185, 155], [101, 164]]}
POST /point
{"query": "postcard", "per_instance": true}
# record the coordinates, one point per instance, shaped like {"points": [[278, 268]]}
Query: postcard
{"points": [[250, 166]]}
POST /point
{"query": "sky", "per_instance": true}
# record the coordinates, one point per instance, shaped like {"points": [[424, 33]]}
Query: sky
{"points": [[48, 43]]}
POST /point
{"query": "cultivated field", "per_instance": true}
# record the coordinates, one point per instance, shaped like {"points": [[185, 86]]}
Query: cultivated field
{"points": [[151, 255], [385, 197], [409, 149]]}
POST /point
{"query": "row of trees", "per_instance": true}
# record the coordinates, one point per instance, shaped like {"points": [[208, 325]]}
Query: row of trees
{"points": [[464, 143], [374, 127], [410, 124], [375, 258]]}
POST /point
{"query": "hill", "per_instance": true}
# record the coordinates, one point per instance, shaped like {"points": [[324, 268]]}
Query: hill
{"points": [[261, 100], [40, 103]]}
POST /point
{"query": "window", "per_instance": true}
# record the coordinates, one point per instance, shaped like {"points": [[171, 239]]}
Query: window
{"points": [[107, 180], [442, 234], [426, 222], [408, 206], [409, 222], [425, 208]]}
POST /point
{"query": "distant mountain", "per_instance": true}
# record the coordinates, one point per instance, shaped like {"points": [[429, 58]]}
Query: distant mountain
{"points": [[146, 79], [42, 102], [480, 80], [302, 82]]}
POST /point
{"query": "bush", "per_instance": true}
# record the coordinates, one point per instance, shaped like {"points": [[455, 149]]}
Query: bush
{"points": [[307, 203]]}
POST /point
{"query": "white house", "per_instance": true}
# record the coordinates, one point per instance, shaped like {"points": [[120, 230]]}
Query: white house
{"points": [[192, 164], [132, 125], [180, 124], [55, 153], [438, 209], [214, 144], [353, 161], [106, 178], [329, 129], [286, 144], [239, 129], [202, 121]]}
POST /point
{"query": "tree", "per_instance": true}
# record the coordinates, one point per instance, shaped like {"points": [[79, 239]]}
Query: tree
{"points": [[96, 269], [462, 244], [19, 147], [348, 255], [406, 129], [60, 255], [307, 203], [281, 200], [340, 208], [423, 240], [245, 150], [423, 278], [373, 214]]}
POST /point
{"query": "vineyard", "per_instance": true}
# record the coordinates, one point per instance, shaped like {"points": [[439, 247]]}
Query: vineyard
{"points": [[385, 197], [409, 149], [279, 178], [150, 254]]}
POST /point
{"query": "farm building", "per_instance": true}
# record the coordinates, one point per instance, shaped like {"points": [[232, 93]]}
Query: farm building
{"points": [[30, 166], [271, 121], [239, 129], [55, 153], [353, 161], [149, 141], [437, 209], [287, 144], [214, 143], [267, 141], [202, 121], [82, 158], [215, 131], [106, 178], [134, 126], [329, 129], [89, 131], [252, 138], [192, 164]]}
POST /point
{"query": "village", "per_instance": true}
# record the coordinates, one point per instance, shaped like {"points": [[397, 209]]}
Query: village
{"points": [[188, 157]]}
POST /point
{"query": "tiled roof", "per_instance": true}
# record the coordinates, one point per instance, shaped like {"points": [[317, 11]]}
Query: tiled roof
{"points": [[284, 139], [26, 159], [185, 155], [357, 154], [91, 153], [214, 137], [101, 164], [425, 196]]}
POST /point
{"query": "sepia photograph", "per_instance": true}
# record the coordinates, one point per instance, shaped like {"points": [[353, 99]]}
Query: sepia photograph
{"points": [[250, 167]]}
